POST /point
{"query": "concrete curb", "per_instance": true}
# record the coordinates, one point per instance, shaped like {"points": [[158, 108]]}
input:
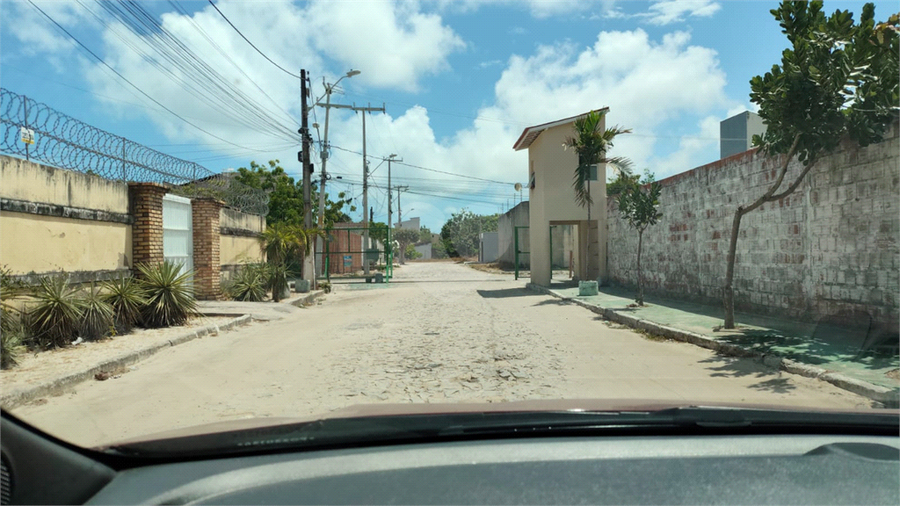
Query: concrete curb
{"points": [[888, 397], [306, 298], [58, 385]]}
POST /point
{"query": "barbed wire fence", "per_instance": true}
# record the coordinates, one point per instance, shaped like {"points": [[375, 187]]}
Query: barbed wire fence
{"points": [[38, 132]]}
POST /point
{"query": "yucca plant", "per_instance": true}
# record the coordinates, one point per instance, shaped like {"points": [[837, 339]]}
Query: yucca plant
{"points": [[249, 283], [98, 317], [170, 297], [127, 297], [56, 316]]}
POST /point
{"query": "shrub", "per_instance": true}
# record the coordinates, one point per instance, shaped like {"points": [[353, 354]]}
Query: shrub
{"points": [[249, 283], [56, 316], [98, 317], [170, 297], [127, 297], [278, 280], [12, 331], [325, 286], [10, 346]]}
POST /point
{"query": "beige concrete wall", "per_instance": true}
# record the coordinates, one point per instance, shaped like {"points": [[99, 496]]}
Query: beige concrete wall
{"points": [[32, 182], [30, 243], [229, 218], [39, 243], [236, 246], [235, 250], [553, 200]]}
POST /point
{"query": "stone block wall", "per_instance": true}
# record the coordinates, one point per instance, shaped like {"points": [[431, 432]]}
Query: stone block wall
{"points": [[830, 248]]}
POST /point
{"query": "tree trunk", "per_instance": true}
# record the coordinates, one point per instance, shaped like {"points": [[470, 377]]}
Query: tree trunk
{"points": [[729, 272], [769, 196], [640, 298]]}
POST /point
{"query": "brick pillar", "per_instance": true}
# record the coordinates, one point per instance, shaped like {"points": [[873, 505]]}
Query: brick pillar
{"points": [[207, 266], [146, 203]]}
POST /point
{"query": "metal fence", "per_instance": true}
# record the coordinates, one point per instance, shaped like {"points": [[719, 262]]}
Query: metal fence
{"points": [[38, 132]]}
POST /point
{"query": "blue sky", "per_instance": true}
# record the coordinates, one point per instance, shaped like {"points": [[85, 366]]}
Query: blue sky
{"points": [[459, 80]]}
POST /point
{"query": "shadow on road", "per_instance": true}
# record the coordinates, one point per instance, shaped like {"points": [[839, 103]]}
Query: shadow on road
{"points": [[433, 280], [554, 302], [507, 292], [737, 367]]}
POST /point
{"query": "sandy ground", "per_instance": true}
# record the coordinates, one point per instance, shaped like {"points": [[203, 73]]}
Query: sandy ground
{"points": [[35, 367], [441, 332]]}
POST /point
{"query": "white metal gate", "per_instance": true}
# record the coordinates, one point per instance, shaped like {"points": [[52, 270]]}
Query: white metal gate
{"points": [[178, 235]]}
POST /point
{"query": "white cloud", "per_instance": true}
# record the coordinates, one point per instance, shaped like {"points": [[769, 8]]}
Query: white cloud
{"points": [[489, 63], [666, 12], [397, 43], [646, 82], [671, 11], [36, 35], [538, 8], [693, 149]]}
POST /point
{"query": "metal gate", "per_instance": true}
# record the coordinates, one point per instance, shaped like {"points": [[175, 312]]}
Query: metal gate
{"points": [[344, 255], [517, 251], [178, 235]]}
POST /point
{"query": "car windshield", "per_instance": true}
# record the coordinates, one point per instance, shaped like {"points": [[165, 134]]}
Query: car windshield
{"points": [[229, 213]]}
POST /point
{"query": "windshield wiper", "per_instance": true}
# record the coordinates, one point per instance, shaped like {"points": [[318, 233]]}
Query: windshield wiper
{"points": [[365, 431]]}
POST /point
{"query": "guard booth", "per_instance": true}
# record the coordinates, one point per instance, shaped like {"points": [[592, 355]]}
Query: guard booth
{"points": [[343, 255], [552, 203]]}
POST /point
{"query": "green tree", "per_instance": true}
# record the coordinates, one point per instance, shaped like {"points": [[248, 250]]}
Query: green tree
{"points": [[460, 234], [405, 237], [838, 79], [639, 206], [591, 143], [378, 231], [285, 245], [620, 183], [411, 252], [424, 235], [286, 195]]}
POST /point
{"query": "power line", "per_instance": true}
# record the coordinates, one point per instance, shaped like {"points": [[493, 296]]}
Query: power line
{"points": [[208, 85], [429, 169], [221, 51], [173, 113], [286, 71]]}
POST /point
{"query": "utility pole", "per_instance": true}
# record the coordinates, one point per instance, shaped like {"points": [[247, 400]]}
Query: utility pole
{"points": [[365, 173], [329, 88], [309, 261], [390, 239], [399, 210]]}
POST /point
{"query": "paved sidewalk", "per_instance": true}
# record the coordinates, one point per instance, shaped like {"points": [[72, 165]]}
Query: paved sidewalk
{"points": [[822, 351], [53, 372]]}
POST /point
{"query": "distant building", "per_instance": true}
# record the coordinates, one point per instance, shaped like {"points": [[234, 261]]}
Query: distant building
{"points": [[424, 249], [736, 133], [411, 224]]}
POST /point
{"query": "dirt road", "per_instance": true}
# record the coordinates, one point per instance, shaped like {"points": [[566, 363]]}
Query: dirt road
{"points": [[441, 332]]}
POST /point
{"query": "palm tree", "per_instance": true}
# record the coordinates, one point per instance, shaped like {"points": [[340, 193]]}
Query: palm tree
{"points": [[285, 245], [281, 241], [591, 143]]}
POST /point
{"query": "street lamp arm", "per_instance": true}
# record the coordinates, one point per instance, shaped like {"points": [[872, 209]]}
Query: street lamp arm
{"points": [[330, 87]]}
